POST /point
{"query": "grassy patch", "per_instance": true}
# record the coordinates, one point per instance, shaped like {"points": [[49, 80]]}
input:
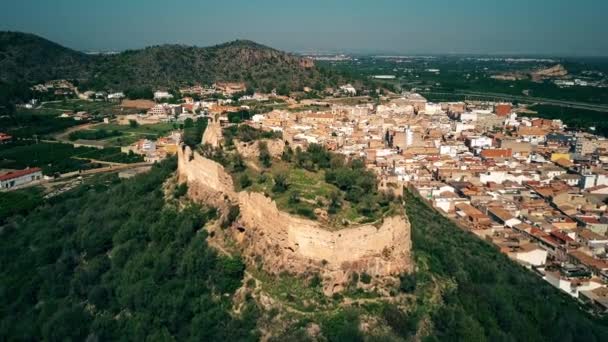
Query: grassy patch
{"points": [[293, 291], [93, 134], [91, 107]]}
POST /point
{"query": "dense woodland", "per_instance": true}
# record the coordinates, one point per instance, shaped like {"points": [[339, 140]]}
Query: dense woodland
{"points": [[28, 58], [110, 261]]}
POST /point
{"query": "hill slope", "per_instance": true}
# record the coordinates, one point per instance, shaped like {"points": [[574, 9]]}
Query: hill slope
{"points": [[29, 58]]}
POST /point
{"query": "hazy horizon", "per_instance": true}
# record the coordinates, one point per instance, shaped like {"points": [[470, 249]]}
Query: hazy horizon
{"points": [[437, 27]]}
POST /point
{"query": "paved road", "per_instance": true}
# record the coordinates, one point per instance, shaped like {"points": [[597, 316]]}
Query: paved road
{"points": [[521, 98]]}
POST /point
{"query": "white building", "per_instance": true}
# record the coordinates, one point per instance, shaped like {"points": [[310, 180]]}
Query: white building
{"points": [[530, 255], [116, 96], [480, 142], [16, 178], [162, 95], [348, 90]]}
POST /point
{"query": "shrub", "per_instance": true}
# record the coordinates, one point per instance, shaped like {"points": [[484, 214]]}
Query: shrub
{"points": [[264, 157], [180, 190], [244, 181], [365, 278], [306, 212], [408, 283], [280, 183]]}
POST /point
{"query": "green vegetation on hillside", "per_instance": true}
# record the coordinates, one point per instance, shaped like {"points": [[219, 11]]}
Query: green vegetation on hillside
{"points": [[112, 261], [303, 181], [247, 133], [19, 202], [493, 299], [28, 58]]}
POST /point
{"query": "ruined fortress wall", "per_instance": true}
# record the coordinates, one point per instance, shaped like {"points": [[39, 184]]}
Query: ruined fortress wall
{"points": [[297, 245], [207, 180], [377, 251], [213, 133]]}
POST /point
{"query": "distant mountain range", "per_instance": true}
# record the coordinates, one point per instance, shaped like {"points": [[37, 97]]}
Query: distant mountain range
{"points": [[29, 58]]}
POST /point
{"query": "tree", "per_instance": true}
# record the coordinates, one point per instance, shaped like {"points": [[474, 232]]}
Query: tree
{"points": [[294, 197], [280, 183], [238, 164], [188, 123], [133, 124], [283, 89], [334, 202], [287, 154], [244, 181], [180, 190], [264, 156]]}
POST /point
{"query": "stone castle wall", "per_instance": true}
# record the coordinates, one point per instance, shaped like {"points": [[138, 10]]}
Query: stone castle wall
{"points": [[207, 180], [286, 243]]}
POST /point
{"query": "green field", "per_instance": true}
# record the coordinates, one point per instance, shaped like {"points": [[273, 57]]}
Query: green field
{"points": [[91, 107], [154, 129], [123, 135], [93, 134]]}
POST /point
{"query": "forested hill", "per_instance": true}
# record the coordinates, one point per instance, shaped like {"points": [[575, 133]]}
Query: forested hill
{"points": [[29, 58], [111, 261], [26, 57]]}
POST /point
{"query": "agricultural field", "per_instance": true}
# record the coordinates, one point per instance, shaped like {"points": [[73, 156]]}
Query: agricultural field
{"points": [[121, 135], [92, 107], [27, 123], [58, 158]]}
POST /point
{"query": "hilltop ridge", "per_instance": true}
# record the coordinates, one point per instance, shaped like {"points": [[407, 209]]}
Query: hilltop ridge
{"points": [[29, 58]]}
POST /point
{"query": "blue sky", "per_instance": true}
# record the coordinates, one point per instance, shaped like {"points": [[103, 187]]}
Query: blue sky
{"points": [[555, 27]]}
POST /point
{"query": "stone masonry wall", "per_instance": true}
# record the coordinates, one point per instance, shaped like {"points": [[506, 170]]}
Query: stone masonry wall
{"points": [[296, 245]]}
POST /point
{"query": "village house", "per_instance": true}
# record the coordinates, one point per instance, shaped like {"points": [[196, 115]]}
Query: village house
{"points": [[14, 179]]}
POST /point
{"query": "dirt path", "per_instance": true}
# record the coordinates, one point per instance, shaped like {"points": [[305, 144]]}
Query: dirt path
{"points": [[64, 136]]}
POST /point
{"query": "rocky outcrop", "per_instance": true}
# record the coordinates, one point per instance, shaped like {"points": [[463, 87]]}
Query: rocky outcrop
{"points": [[280, 242], [554, 71]]}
